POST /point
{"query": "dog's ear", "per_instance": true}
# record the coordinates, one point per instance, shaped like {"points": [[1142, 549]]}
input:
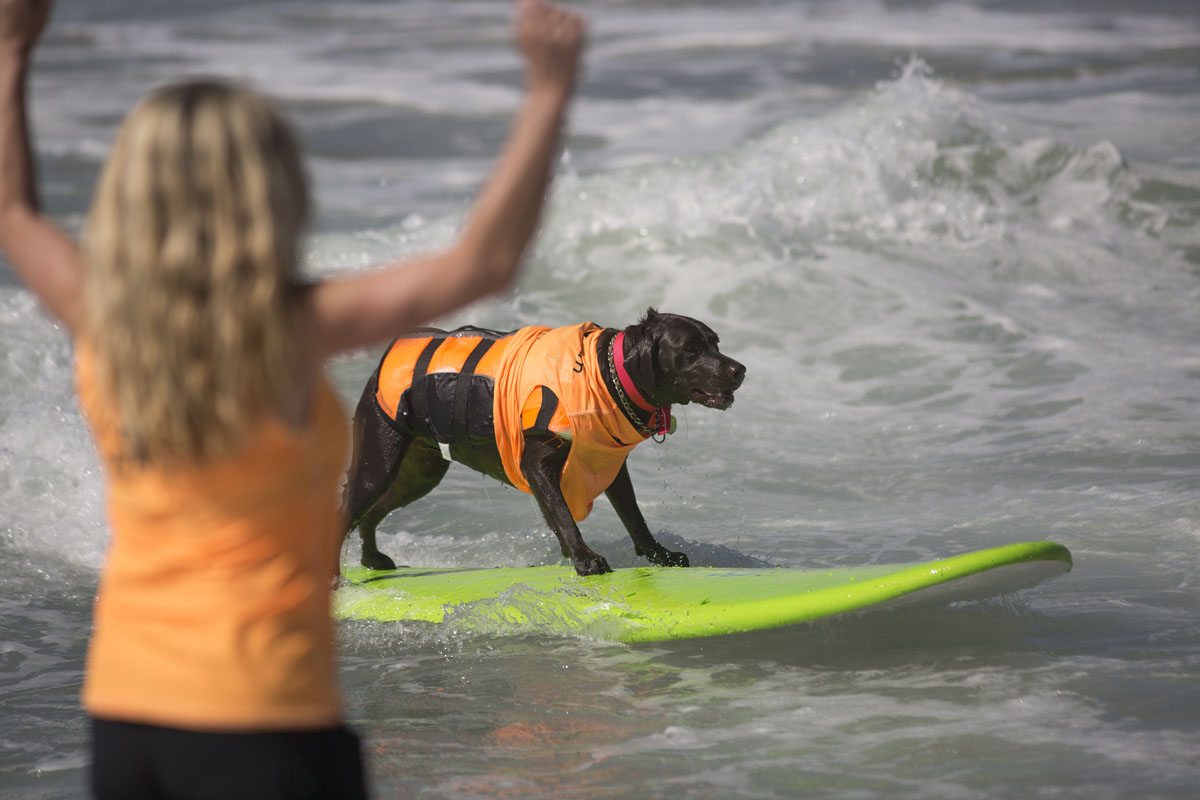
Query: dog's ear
{"points": [[649, 318]]}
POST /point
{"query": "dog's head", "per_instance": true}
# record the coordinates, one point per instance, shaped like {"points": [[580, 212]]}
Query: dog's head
{"points": [[680, 362]]}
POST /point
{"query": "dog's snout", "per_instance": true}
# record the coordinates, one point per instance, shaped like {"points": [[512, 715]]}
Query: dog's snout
{"points": [[737, 373]]}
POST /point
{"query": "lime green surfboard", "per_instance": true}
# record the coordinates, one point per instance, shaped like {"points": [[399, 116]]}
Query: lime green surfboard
{"points": [[643, 604]]}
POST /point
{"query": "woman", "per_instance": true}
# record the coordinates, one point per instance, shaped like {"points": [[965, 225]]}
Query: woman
{"points": [[199, 367]]}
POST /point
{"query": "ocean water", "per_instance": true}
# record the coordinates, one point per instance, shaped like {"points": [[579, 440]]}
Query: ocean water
{"points": [[956, 245]]}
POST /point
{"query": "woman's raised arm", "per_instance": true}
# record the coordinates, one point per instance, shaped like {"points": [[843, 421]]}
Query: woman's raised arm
{"points": [[44, 258], [365, 308]]}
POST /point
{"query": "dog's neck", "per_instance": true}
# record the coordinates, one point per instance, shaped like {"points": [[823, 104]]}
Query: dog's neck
{"points": [[638, 362]]}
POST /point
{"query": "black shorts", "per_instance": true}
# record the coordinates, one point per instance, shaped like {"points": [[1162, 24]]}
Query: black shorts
{"points": [[140, 762]]}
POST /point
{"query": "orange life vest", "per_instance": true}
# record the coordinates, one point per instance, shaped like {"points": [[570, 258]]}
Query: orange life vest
{"points": [[563, 360], [213, 611]]}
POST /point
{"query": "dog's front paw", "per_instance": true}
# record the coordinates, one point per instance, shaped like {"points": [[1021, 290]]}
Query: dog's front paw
{"points": [[663, 557], [591, 563], [377, 560], [673, 559]]}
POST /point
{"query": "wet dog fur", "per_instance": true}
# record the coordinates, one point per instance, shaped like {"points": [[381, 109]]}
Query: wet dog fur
{"points": [[671, 359]]}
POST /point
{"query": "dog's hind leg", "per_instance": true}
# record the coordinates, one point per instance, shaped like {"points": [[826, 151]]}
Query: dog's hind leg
{"points": [[378, 451], [377, 478], [420, 469]]}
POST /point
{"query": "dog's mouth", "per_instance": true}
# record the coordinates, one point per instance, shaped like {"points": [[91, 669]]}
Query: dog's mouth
{"points": [[722, 400]]}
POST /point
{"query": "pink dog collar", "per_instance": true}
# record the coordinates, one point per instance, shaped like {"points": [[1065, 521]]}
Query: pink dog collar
{"points": [[661, 422]]}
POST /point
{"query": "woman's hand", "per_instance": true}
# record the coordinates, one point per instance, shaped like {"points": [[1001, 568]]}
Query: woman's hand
{"points": [[551, 39], [21, 22]]}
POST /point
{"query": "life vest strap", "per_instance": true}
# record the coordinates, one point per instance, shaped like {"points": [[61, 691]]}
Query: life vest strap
{"points": [[462, 392], [418, 387]]}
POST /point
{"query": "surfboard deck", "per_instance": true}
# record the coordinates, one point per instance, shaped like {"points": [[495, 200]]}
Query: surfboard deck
{"points": [[642, 604]]}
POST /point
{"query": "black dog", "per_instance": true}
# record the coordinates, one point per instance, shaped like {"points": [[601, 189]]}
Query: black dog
{"points": [[551, 411]]}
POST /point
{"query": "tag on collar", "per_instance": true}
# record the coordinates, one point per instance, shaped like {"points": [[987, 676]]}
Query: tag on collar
{"points": [[664, 422]]}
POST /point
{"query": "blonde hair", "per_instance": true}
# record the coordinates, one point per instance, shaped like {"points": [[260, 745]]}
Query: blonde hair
{"points": [[191, 249]]}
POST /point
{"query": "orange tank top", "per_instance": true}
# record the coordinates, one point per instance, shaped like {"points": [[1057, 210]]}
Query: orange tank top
{"points": [[213, 611]]}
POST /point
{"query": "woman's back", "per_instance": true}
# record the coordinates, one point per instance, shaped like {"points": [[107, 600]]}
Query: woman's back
{"points": [[213, 609]]}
